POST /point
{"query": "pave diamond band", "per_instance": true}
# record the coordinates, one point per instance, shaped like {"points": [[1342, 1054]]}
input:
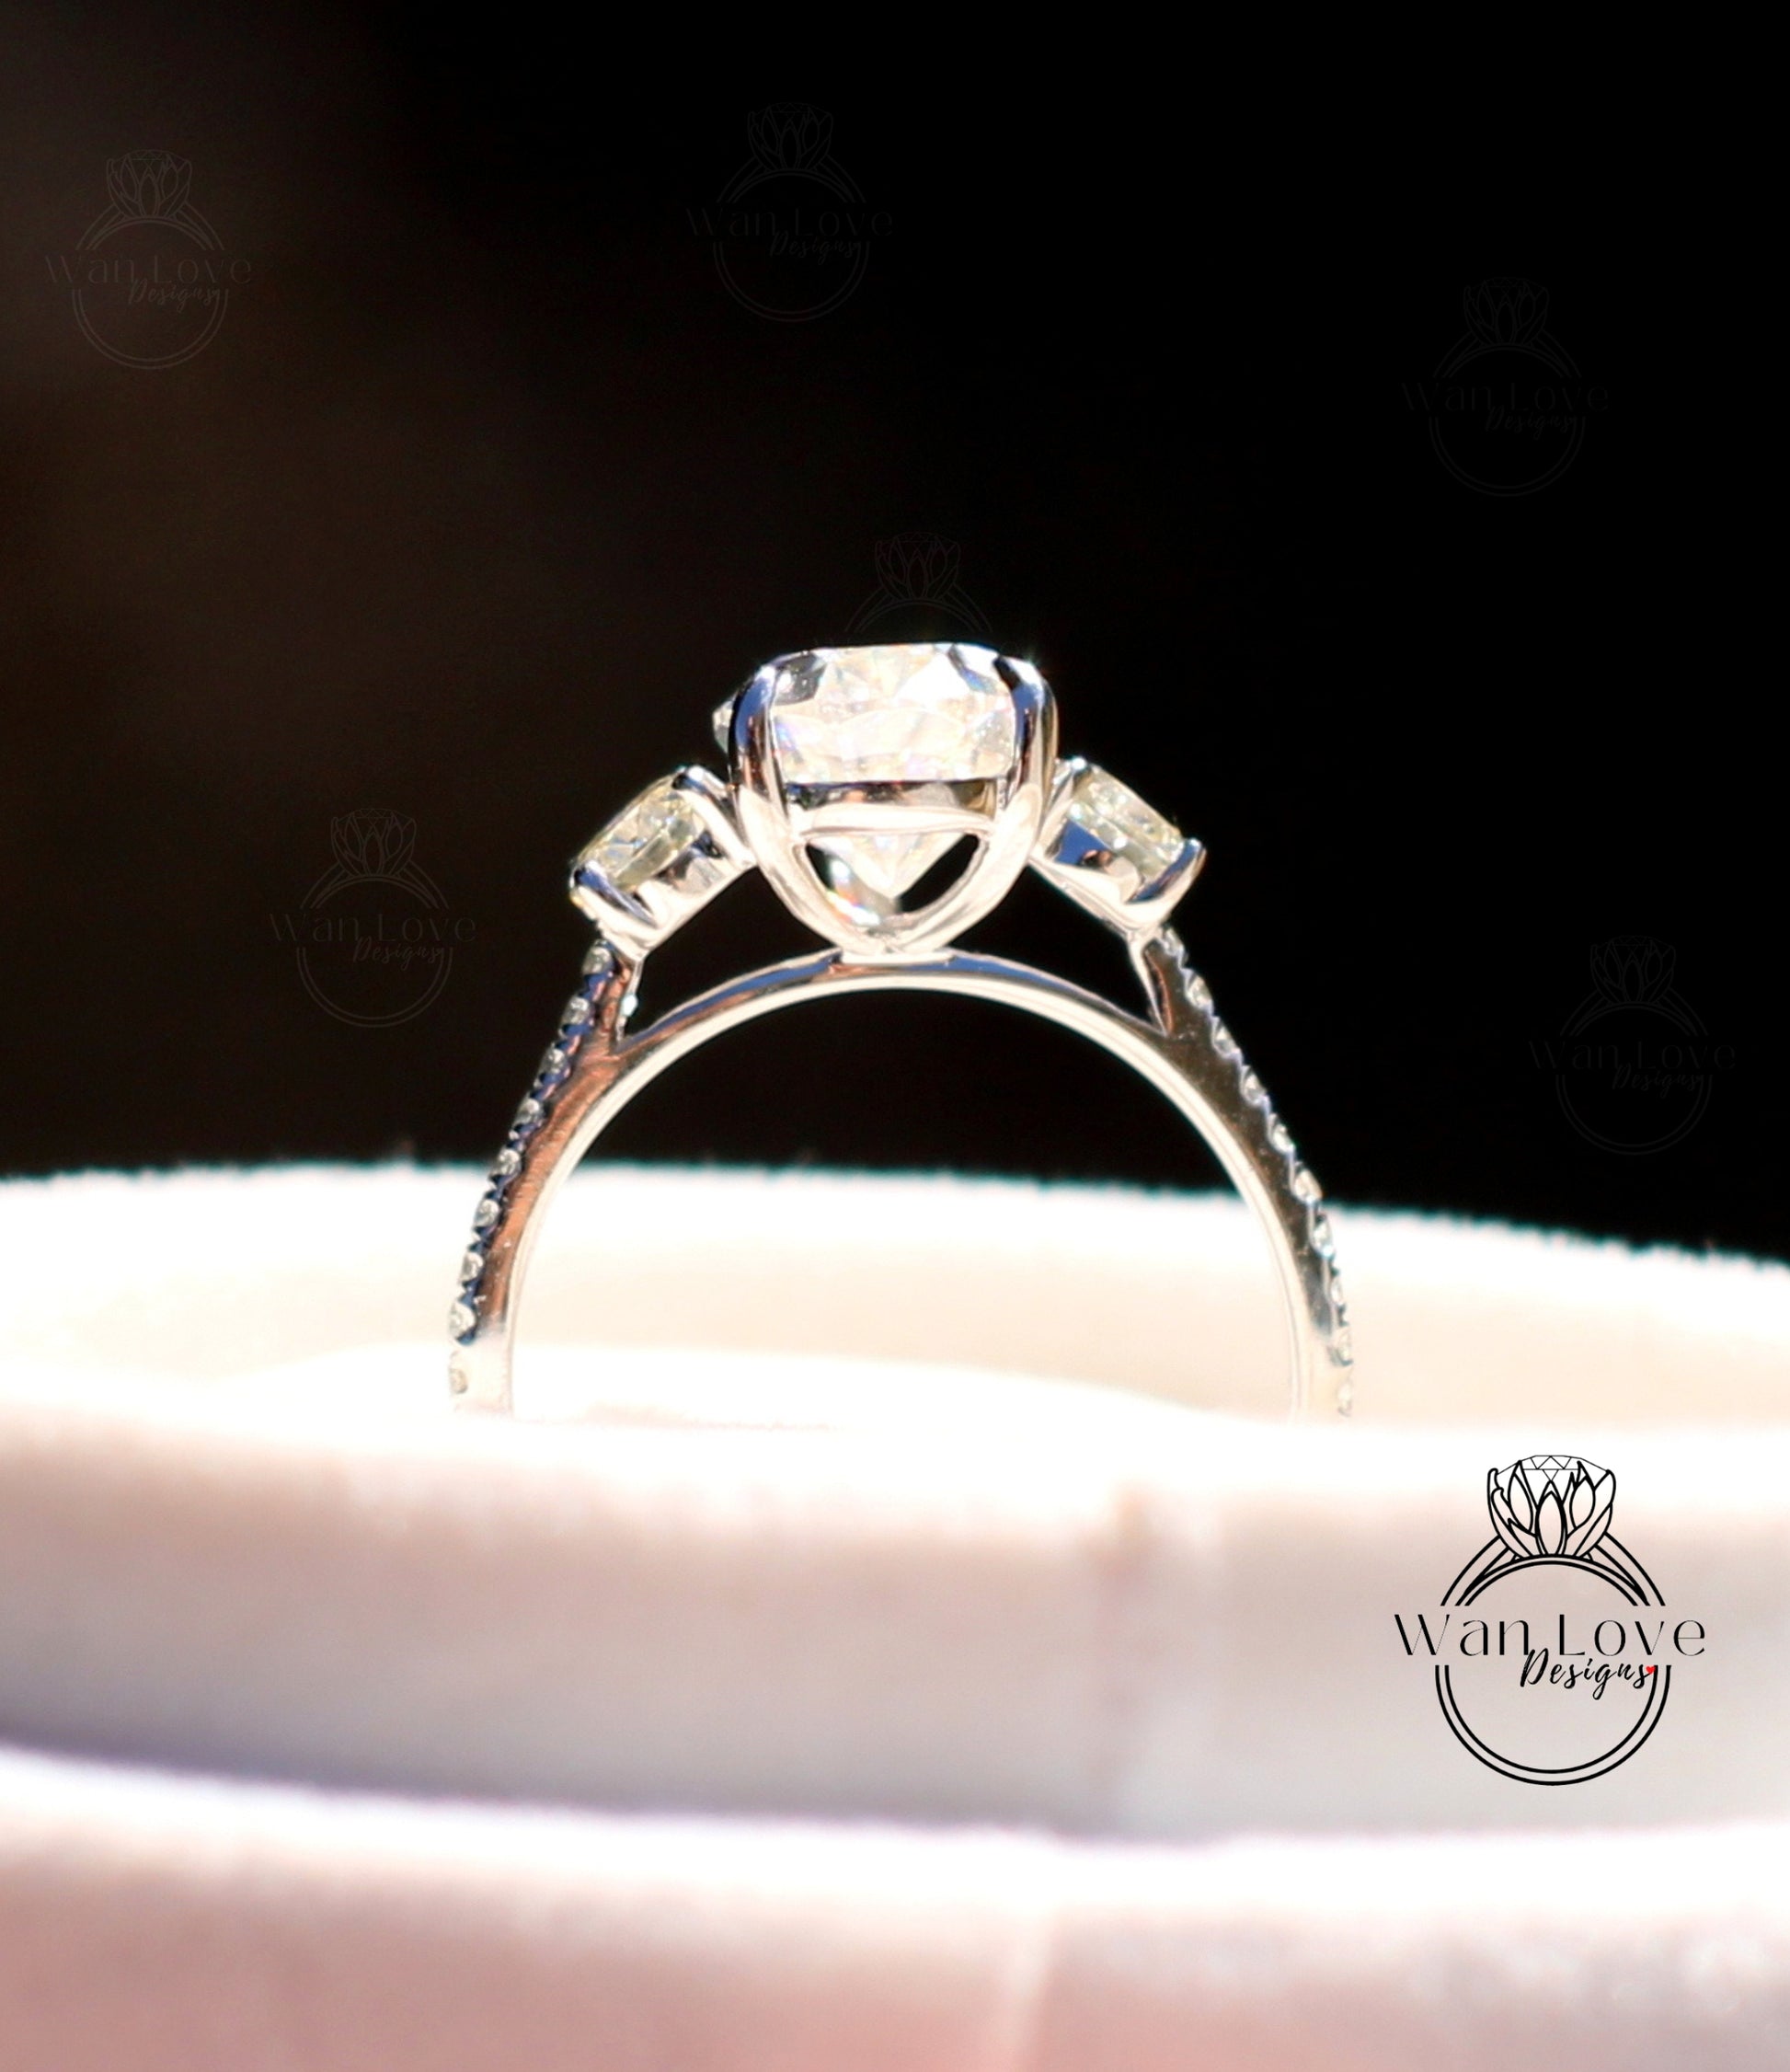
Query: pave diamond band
{"points": [[854, 773]]}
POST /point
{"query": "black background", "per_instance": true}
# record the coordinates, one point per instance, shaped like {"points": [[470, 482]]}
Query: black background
{"points": [[488, 488]]}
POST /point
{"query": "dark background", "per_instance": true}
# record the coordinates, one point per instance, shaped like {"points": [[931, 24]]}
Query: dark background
{"points": [[489, 486]]}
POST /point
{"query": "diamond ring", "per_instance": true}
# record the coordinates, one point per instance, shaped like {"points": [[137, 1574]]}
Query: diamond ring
{"points": [[854, 774]]}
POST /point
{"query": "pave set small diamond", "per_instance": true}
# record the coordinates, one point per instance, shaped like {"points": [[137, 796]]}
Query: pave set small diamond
{"points": [[575, 1026], [1300, 1180]]}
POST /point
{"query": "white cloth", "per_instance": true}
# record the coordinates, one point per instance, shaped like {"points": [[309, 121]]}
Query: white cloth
{"points": [[925, 1664]]}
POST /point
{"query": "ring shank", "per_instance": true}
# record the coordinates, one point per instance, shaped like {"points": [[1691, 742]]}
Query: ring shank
{"points": [[1184, 1051]]}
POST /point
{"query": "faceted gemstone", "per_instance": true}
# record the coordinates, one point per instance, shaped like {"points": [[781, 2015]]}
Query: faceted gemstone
{"points": [[645, 837], [915, 715], [905, 715], [462, 1318], [887, 864], [1108, 824]]}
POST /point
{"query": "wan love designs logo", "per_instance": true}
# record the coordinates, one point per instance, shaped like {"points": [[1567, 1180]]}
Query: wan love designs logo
{"points": [[1552, 1652]]}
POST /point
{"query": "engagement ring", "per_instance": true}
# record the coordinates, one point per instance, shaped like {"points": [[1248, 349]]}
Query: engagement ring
{"points": [[853, 772]]}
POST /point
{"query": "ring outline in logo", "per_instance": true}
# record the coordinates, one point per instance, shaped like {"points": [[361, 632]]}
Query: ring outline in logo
{"points": [[1467, 1586], [827, 172], [1683, 1017], [1535, 344], [187, 221], [411, 878]]}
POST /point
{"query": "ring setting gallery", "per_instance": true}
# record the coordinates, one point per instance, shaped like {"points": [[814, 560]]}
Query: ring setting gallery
{"points": [[853, 773]]}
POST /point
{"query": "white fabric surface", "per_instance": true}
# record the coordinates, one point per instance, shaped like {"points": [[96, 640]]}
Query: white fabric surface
{"points": [[891, 1648]]}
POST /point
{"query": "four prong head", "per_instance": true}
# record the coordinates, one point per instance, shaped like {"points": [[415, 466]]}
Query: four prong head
{"points": [[855, 769]]}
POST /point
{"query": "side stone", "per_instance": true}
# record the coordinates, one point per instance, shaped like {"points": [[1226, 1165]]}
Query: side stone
{"points": [[645, 837], [1108, 827]]}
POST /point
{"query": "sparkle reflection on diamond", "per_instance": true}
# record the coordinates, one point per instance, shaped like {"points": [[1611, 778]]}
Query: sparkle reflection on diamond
{"points": [[915, 715], [645, 837], [1107, 826], [900, 715]]}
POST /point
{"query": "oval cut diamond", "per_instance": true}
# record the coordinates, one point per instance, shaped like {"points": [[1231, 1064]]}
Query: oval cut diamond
{"points": [[919, 714]]}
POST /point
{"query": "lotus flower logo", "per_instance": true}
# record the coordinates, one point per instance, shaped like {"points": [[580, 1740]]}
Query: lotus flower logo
{"points": [[372, 842], [1505, 311], [145, 184], [1550, 1503], [1551, 1652], [789, 137], [156, 298], [1634, 1067], [1633, 971], [791, 232], [373, 939], [917, 565], [919, 568], [1507, 406]]}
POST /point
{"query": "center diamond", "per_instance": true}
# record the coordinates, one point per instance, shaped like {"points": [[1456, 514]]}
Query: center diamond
{"points": [[915, 715], [912, 714]]}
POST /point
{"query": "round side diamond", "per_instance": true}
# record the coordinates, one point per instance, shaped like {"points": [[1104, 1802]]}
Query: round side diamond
{"points": [[645, 837]]}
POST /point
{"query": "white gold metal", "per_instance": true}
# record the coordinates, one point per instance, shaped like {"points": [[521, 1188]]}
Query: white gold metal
{"points": [[595, 1066]]}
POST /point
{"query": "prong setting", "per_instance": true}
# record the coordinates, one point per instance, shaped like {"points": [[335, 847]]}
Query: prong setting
{"points": [[1111, 853], [911, 821], [664, 856]]}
